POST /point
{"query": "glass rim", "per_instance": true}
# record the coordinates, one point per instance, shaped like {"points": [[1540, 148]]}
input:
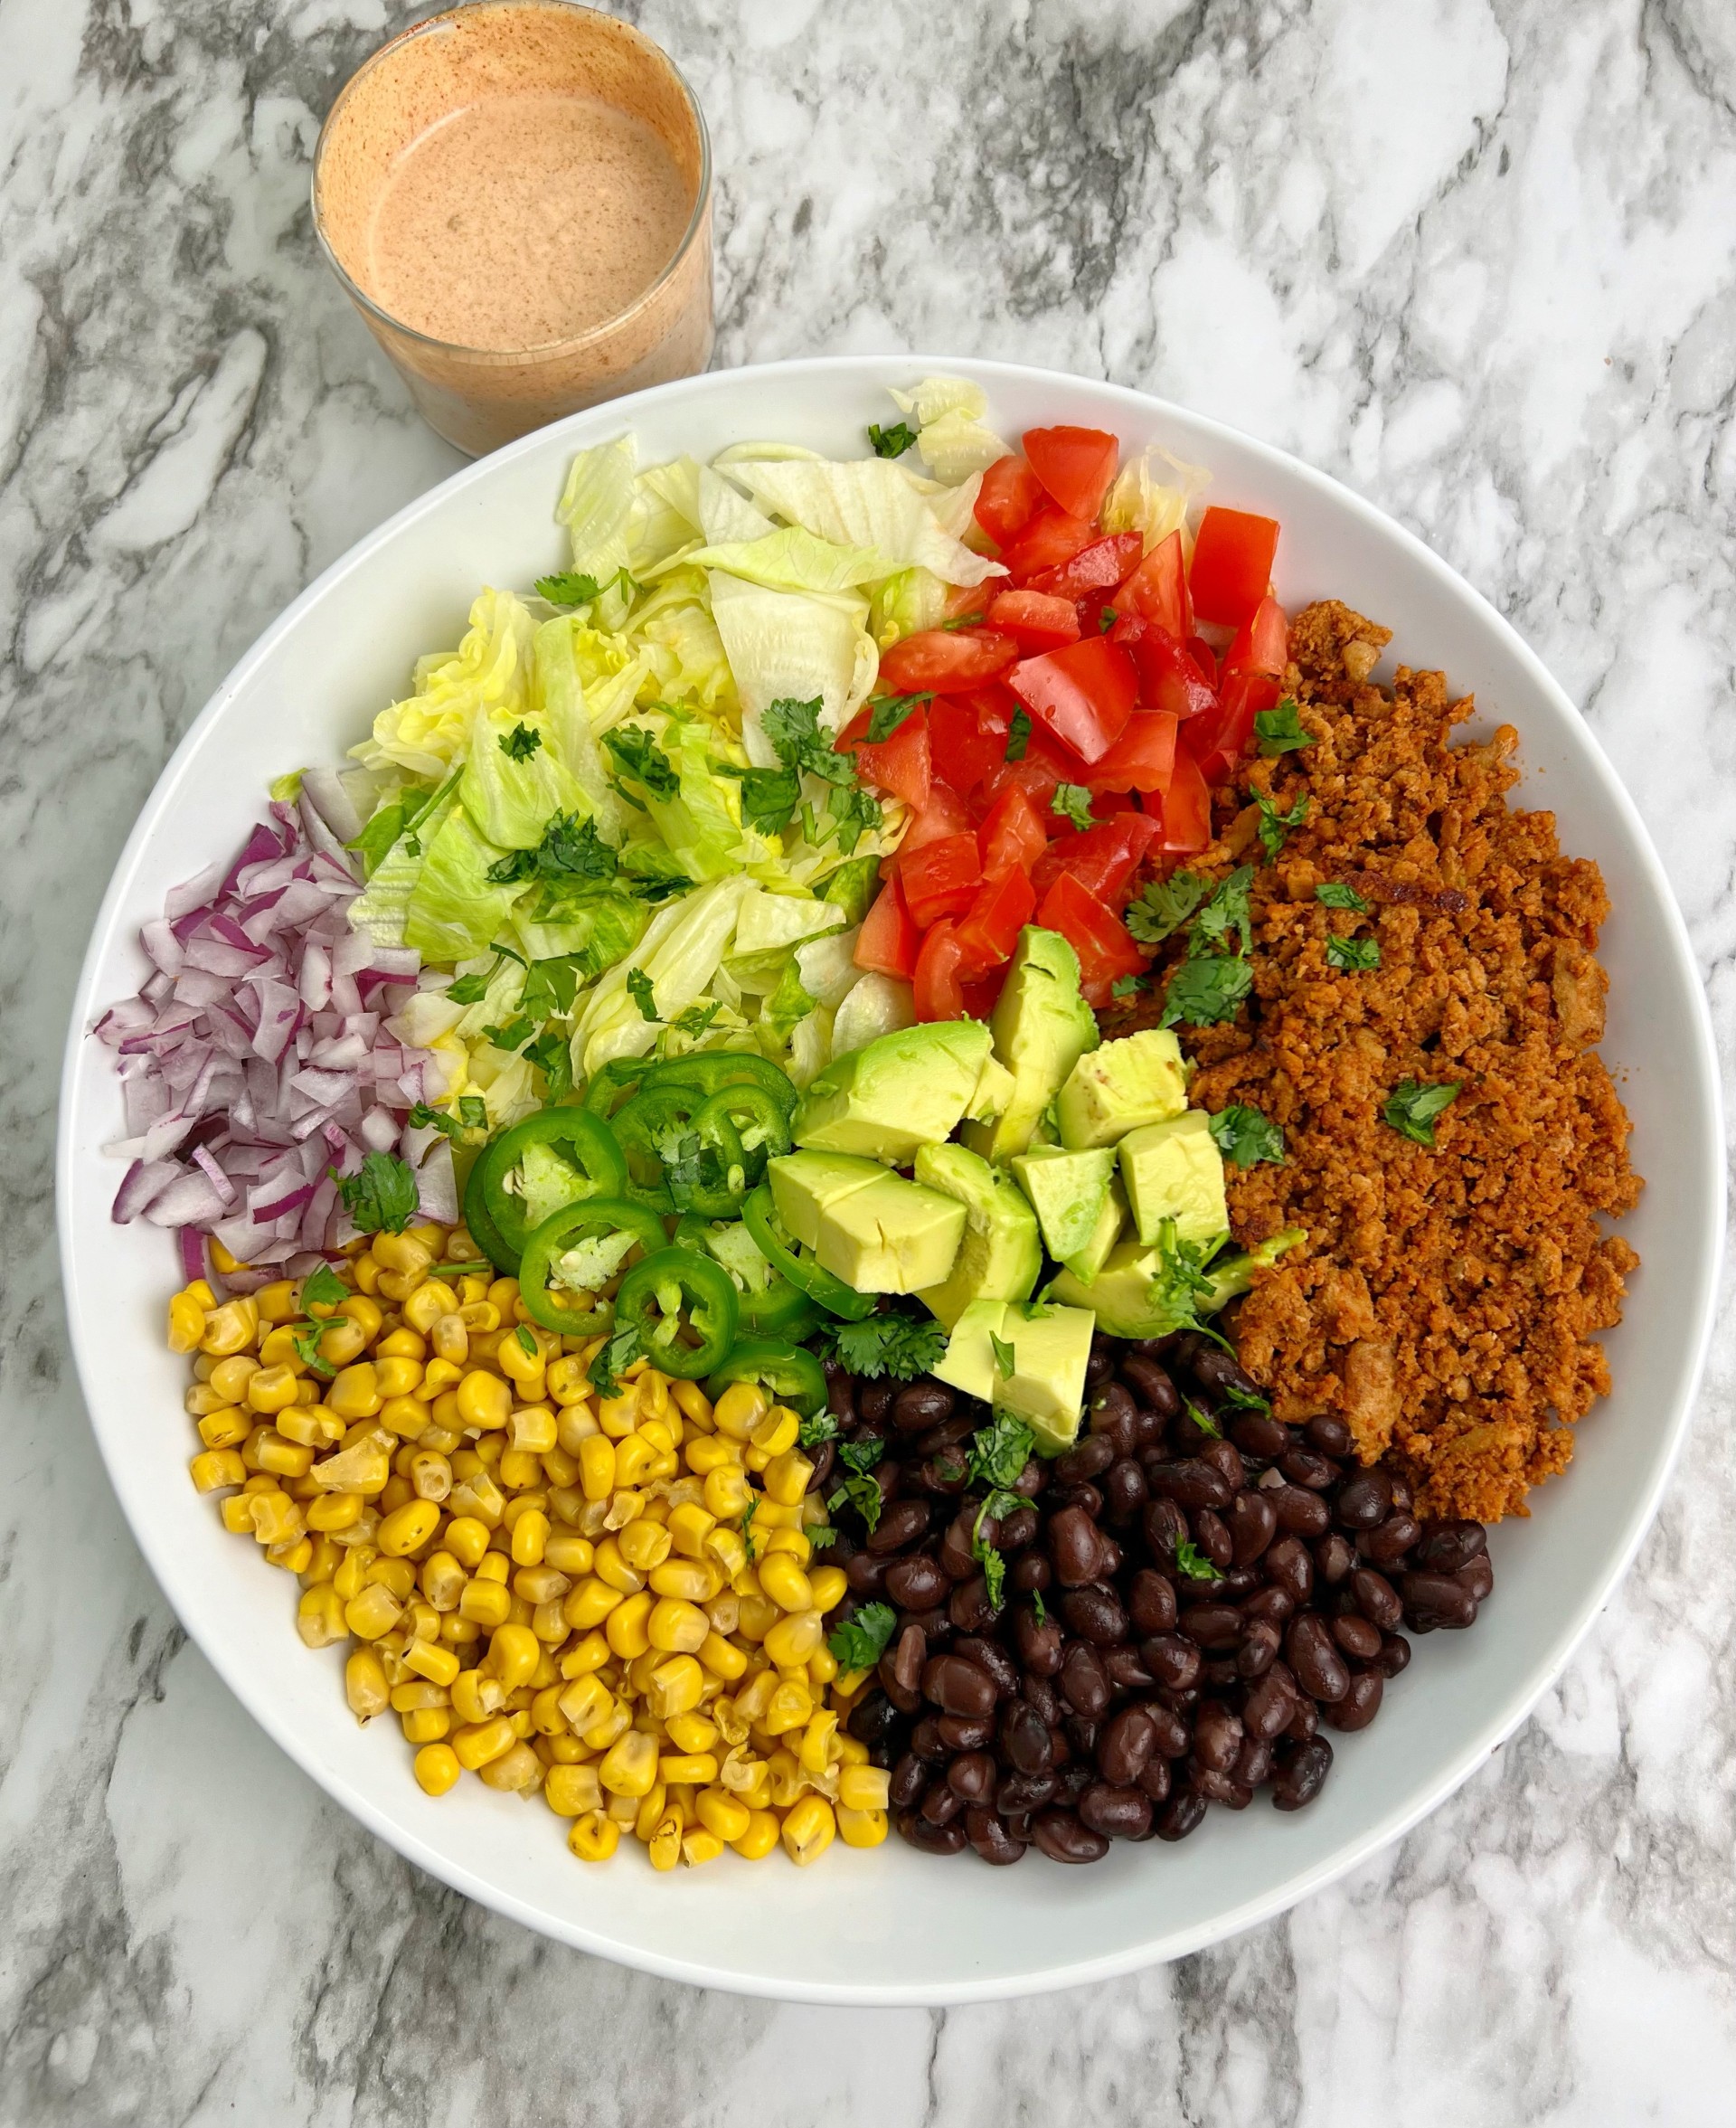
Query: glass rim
{"points": [[543, 349]]}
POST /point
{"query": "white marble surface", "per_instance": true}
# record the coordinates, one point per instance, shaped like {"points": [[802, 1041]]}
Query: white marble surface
{"points": [[1480, 262]]}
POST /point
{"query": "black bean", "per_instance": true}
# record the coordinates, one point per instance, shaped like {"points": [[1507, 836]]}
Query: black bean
{"points": [[840, 1395], [1444, 1547], [1254, 1524], [1116, 1416], [865, 1575], [941, 1803], [1151, 1602], [1478, 1576], [956, 1554], [949, 1433], [1334, 1559], [824, 1457], [1016, 1531], [1124, 1491], [1307, 1466], [1191, 1482], [1259, 1648], [1212, 1626], [1025, 1739], [1220, 1788], [1290, 1568], [1225, 1459], [1363, 1500], [910, 1653], [1073, 1547], [1387, 1545], [1166, 1526], [1319, 1668], [1253, 1766], [928, 1743], [1154, 1779], [1127, 1741], [1268, 1707], [969, 1607], [1220, 1372], [1357, 1638], [1394, 1655], [972, 1776], [901, 1524], [1300, 1512], [1217, 1736], [1064, 1838], [945, 1476], [872, 1718], [909, 1778], [875, 1400], [1100, 1367], [933, 1840], [1084, 1682], [1039, 1693], [1117, 1813], [1080, 1731], [902, 1696], [1109, 1557], [958, 1687], [1329, 1433], [1219, 1674], [1435, 1601], [1095, 1615], [919, 1405], [1376, 1598], [1183, 1814], [916, 1583], [1174, 1662], [1087, 1459], [1211, 1535], [1359, 1705], [1259, 1435], [1126, 1670], [1031, 1574], [1300, 1773], [1274, 1604], [1151, 1386], [1192, 1431], [1305, 1719], [960, 1731], [991, 1839], [991, 1656], [1039, 1644]]}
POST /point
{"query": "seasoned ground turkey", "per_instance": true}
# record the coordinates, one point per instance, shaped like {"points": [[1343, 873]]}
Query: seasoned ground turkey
{"points": [[1446, 1302]]}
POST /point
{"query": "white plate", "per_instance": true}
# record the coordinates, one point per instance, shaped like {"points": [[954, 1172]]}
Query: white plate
{"points": [[888, 1925]]}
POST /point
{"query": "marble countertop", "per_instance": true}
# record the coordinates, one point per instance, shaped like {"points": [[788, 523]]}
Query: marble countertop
{"points": [[1477, 260]]}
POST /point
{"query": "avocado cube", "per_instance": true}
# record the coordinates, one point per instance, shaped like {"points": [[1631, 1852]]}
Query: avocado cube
{"points": [[1086, 1263], [805, 1186], [900, 1092], [1000, 1257], [1046, 1385], [1123, 1295], [1174, 1170], [1041, 1026], [890, 1236], [1134, 1080], [1067, 1191]]}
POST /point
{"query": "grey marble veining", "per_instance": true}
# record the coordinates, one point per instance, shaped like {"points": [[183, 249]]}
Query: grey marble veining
{"points": [[1478, 259]]}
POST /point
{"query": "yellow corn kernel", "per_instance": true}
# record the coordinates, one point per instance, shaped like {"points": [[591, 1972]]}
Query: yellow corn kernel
{"points": [[514, 1773], [311, 1424], [822, 1666], [828, 1585], [513, 1653], [441, 1579], [467, 1538], [776, 1434], [452, 1340], [771, 1515], [534, 1430], [216, 1467], [226, 1427], [546, 1711], [230, 1328], [272, 1389], [726, 1490], [860, 1829], [699, 1846], [644, 1545], [430, 1660], [690, 1579], [372, 1611], [342, 1340], [739, 1409], [408, 1528], [403, 1416], [720, 1812], [567, 1380], [629, 1766], [586, 1704], [425, 1725], [722, 1658], [431, 1301], [625, 1628], [759, 1615], [571, 1791], [696, 1769], [530, 1538], [396, 1574], [277, 1302], [352, 1575], [785, 1583], [283, 1459], [323, 1561], [364, 1685], [354, 1393], [788, 1477], [760, 1836], [229, 1378], [808, 1830], [277, 1519], [402, 1345], [483, 1400], [633, 1459], [863, 1787], [589, 1603], [790, 1707], [851, 1751], [689, 1731], [594, 1837], [401, 1252], [477, 1696], [360, 1466], [597, 1455], [724, 1611], [665, 1843], [485, 1604], [430, 1475], [478, 1742], [320, 1615], [398, 1378], [689, 1525], [367, 1272], [677, 1685], [711, 1453], [437, 1768], [439, 1379], [794, 1639], [520, 1357], [612, 1566], [569, 1552], [334, 1511], [186, 1320], [818, 1749], [677, 1626]]}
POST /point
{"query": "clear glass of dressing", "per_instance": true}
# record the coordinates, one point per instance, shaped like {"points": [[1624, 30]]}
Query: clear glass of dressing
{"points": [[517, 197]]}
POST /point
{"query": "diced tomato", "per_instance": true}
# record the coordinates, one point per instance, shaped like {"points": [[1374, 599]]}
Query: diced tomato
{"points": [[945, 661], [1103, 859], [965, 602], [938, 992], [1035, 777], [1142, 759], [1096, 933], [1050, 538], [1075, 465], [1206, 658], [887, 941], [1219, 740], [946, 813], [901, 763], [967, 735], [1084, 693], [1169, 679], [941, 878], [1010, 496], [1263, 643], [1232, 564], [1035, 620], [1187, 809], [1158, 589], [1098, 568], [1013, 834], [982, 996], [990, 929]]}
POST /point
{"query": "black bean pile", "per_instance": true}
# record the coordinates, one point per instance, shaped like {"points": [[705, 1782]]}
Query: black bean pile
{"points": [[1192, 1594]]}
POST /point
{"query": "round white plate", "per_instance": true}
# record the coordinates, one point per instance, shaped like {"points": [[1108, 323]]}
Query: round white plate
{"points": [[889, 1925]]}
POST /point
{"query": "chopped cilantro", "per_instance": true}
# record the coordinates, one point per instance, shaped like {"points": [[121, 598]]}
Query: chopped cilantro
{"points": [[305, 1337], [473, 1111], [1165, 905], [1243, 1399], [886, 713], [323, 1288], [521, 742], [1275, 826], [1039, 1606], [527, 1341], [1244, 1137], [1005, 1358], [381, 1197], [568, 588], [793, 730], [1281, 730], [570, 850], [1332, 894], [860, 1456], [423, 1118], [636, 754], [822, 1426], [1226, 910], [893, 442], [855, 812], [1203, 1421], [860, 1641], [607, 1364], [901, 1346], [861, 1492], [1000, 1450], [552, 1053], [639, 988], [1127, 986], [1353, 955], [1200, 992], [1018, 734], [513, 1035], [1411, 1108], [768, 795], [1106, 620], [1073, 802], [1193, 1563]]}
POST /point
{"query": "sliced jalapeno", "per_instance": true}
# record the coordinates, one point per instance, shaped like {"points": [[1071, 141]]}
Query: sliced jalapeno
{"points": [[788, 1258], [589, 1146], [682, 1308], [613, 1081], [794, 1377], [759, 1120], [714, 1068], [575, 1253], [481, 1229], [683, 1152], [770, 1306]]}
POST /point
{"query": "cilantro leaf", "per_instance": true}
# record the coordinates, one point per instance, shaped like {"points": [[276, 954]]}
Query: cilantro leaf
{"points": [[1200, 992], [323, 1288], [423, 1118], [1244, 1137], [378, 836], [1202, 1419], [552, 1053], [1127, 986], [568, 588], [381, 1197], [605, 1369], [639, 988], [527, 1343], [694, 1021], [1274, 826], [521, 742], [1039, 1606], [1179, 1282], [860, 1641], [1000, 1450], [473, 1111], [1332, 894], [1005, 1358], [886, 713], [1225, 912], [1073, 802], [1193, 1563], [550, 986], [890, 1344], [1281, 730], [471, 990], [768, 795], [856, 812], [1411, 1108], [860, 1456], [1353, 954], [305, 1337], [636, 754], [1106, 620], [513, 1035], [820, 1534], [793, 730], [861, 1492], [893, 442], [822, 1426], [1018, 735], [570, 850], [1164, 907], [1243, 1399]]}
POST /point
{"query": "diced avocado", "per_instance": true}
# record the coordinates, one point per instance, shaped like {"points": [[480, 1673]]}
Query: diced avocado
{"points": [[1068, 1191], [1090, 1260], [1124, 1295], [1233, 1273], [1134, 1080], [999, 1258], [1042, 1028], [1174, 1170], [893, 1236], [901, 1091], [992, 1090], [805, 1186], [1046, 1385]]}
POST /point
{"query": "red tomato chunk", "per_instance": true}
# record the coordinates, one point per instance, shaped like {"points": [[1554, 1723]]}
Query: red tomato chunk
{"points": [[1075, 465], [1036, 622], [1096, 934], [1084, 695], [1010, 496], [1232, 565], [887, 941], [989, 929], [1142, 759], [1158, 589], [942, 661], [1050, 538], [967, 735], [899, 764], [940, 878], [1103, 859], [940, 993]]}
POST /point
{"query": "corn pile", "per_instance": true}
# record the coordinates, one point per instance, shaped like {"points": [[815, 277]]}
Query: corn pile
{"points": [[608, 1601]]}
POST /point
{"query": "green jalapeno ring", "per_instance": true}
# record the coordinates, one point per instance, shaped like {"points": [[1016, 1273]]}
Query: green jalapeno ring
{"points": [[482, 1229], [613, 1079], [713, 1069], [813, 1279], [793, 1376], [586, 1138], [643, 1129], [586, 1220], [690, 1293], [776, 1310], [765, 1121]]}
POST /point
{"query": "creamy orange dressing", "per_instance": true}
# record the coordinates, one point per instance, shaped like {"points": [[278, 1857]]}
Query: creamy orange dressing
{"points": [[525, 218]]}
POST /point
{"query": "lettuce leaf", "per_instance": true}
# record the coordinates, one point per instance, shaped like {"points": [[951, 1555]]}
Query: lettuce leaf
{"points": [[877, 1005], [793, 559], [557, 695], [864, 503], [789, 646], [1152, 495], [597, 508], [913, 599], [490, 670], [455, 909], [511, 799], [680, 953], [952, 437]]}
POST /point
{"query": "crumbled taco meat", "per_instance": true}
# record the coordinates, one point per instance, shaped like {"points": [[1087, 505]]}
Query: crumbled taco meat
{"points": [[1446, 1301]]}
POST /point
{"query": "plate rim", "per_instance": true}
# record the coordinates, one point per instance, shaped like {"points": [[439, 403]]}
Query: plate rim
{"points": [[1163, 1946]]}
